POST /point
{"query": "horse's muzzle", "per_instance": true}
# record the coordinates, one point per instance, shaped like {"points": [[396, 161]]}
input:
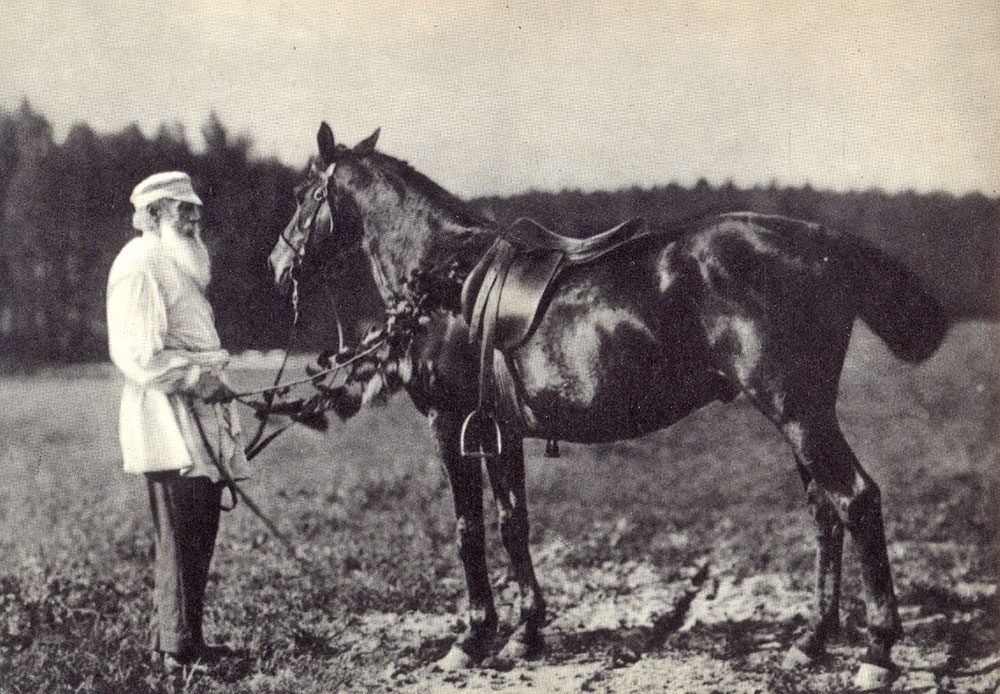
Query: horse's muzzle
{"points": [[282, 268]]}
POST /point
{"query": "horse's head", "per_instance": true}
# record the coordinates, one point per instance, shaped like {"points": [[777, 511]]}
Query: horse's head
{"points": [[325, 221]]}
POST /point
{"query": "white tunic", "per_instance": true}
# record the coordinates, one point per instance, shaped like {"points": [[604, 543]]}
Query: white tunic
{"points": [[161, 334]]}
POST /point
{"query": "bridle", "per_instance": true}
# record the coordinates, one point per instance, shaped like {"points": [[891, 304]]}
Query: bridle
{"points": [[320, 196], [304, 225]]}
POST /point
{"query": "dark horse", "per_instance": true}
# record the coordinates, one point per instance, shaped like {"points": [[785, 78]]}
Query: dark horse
{"points": [[732, 304]]}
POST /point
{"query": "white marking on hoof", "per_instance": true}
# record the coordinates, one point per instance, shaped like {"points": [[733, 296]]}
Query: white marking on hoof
{"points": [[795, 658], [455, 659], [873, 677], [515, 649]]}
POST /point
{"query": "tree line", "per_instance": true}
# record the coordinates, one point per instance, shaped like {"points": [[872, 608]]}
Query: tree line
{"points": [[64, 215]]}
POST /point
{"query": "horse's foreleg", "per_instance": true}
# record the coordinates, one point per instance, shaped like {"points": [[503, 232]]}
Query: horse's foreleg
{"points": [[855, 501], [467, 490], [507, 479]]}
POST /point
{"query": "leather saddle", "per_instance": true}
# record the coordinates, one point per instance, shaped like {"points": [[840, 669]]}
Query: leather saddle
{"points": [[502, 302], [504, 291]]}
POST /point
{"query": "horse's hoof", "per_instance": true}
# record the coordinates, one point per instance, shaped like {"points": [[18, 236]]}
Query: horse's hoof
{"points": [[515, 649], [521, 649], [795, 658], [455, 659], [872, 678]]}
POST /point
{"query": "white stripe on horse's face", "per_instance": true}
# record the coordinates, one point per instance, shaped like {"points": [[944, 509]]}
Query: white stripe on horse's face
{"points": [[312, 210], [283, 256], [664, 272]]}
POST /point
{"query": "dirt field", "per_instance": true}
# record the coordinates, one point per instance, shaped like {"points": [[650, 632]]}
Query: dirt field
{"points": [[679, 562]]}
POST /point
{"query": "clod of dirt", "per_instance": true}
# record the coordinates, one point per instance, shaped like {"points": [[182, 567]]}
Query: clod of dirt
{"points": [[621, 657], [765, 597]]}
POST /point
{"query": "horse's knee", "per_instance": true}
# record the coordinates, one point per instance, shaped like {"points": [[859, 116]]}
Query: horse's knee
{"points": [[838, 488], [483, 620], [822, 507]]}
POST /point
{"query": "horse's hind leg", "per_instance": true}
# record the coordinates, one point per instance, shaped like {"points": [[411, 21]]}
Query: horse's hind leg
{"points": [[829, 553], [844, 491], [467, 490], [507, 478]]}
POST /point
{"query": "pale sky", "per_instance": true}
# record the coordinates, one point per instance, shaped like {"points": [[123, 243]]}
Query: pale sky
{"points": [[501, 97]]}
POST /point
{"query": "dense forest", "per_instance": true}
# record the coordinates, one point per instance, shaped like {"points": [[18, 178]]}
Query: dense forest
{"points": [[64, 214]]}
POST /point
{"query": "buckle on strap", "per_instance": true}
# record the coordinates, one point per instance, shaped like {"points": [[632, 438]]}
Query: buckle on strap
{"points": [[466, 450]]}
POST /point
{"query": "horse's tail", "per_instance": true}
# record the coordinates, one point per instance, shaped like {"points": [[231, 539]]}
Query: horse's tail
{"points": [[910, 321]]}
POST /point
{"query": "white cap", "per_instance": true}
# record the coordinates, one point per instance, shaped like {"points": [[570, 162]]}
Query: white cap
{"points": [[175, 185]]}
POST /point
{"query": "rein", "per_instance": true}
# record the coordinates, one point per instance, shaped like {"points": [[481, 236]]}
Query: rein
{"points": [[377, 351], [238, 494], [264, 407], [379, 365], [311, 378]]}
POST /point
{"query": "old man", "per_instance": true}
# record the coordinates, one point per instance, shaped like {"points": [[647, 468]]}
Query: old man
{"points": [[178, 426]]}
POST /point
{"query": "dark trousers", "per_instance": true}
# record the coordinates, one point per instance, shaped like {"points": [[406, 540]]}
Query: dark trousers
{"points": [[186, 519]]}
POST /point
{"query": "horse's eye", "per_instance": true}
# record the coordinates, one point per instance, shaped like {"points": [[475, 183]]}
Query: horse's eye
{"points": [[319, 194]]}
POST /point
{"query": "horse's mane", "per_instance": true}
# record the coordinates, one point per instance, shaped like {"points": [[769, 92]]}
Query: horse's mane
{"points": [[461, 211]]}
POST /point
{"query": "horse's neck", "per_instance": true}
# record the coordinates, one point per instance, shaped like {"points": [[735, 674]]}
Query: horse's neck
{"points": [[413, 241]]}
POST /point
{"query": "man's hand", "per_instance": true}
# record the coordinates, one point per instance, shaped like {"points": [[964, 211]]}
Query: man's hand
{"points": [[212, 390], [221, 394]]}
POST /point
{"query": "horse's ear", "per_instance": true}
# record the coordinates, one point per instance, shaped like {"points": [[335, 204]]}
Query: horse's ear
{"points": [[367, 145], [324, 138]]}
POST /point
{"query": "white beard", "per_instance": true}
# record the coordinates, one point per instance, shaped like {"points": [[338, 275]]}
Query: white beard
{"points": [[190, 254]]}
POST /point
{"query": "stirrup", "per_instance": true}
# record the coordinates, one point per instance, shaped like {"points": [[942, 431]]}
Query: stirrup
{"points": [[466, 451]]}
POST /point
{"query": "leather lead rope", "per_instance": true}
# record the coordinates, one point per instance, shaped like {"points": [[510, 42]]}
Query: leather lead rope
{"points": [[238, 494], [227, 481]]}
